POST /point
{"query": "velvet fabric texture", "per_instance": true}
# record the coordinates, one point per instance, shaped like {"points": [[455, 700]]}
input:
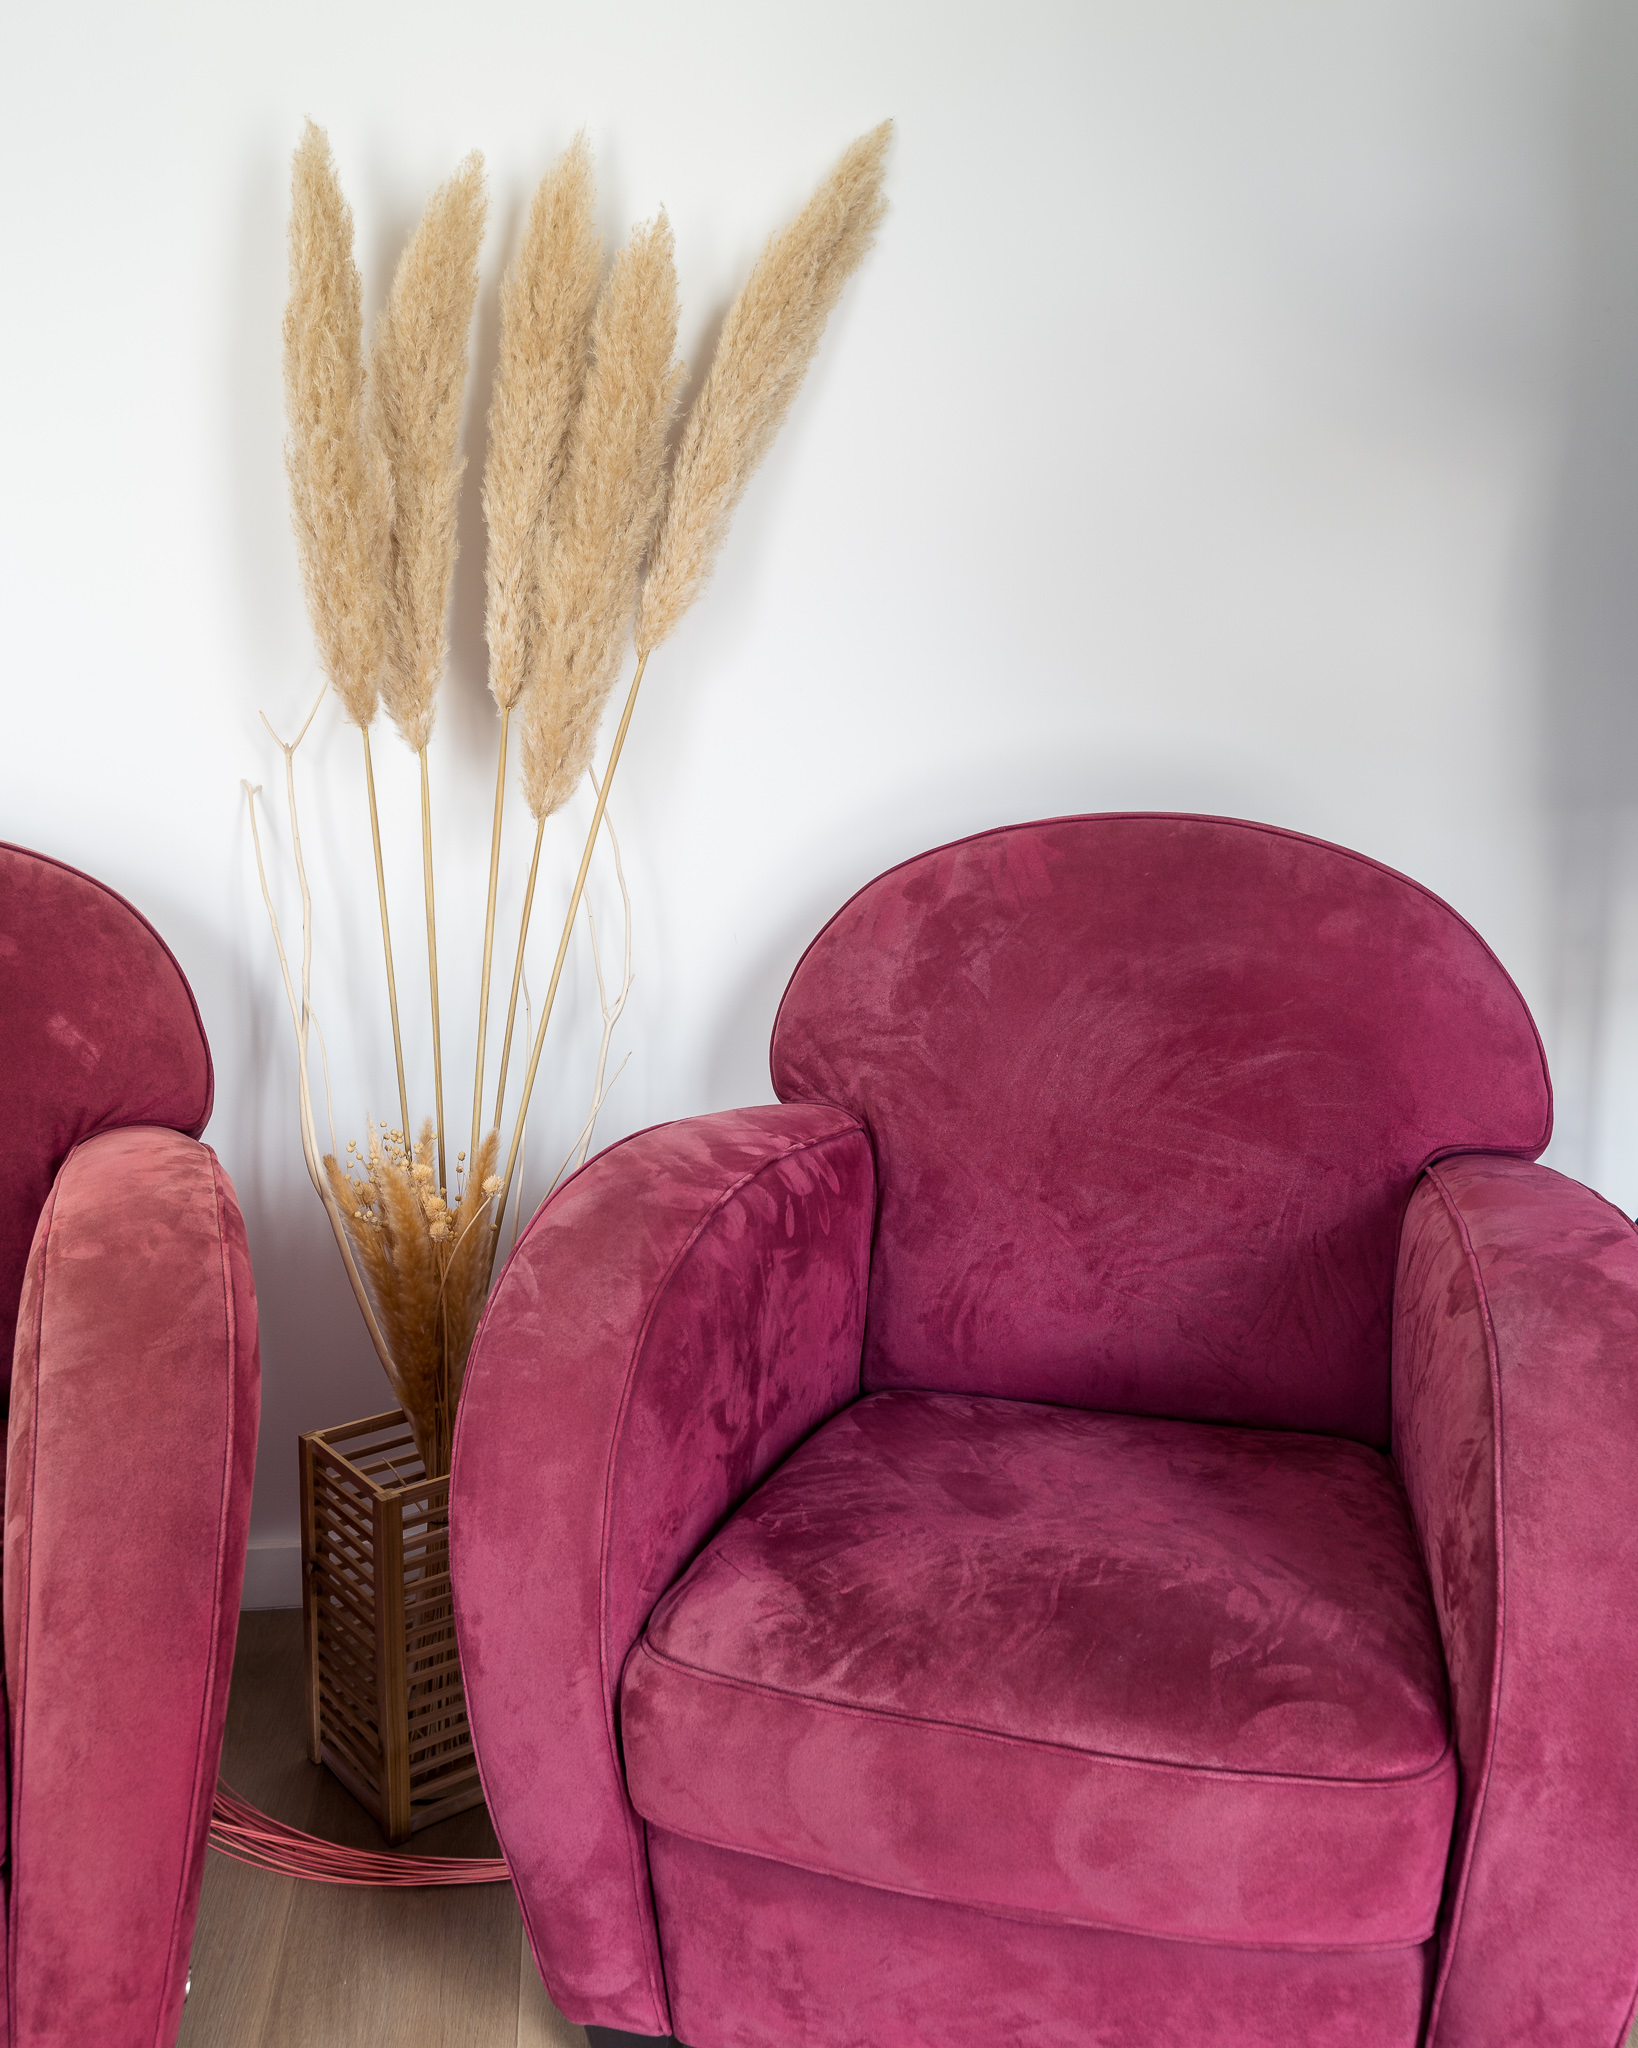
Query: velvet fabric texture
{"points": [[958, 1595], [1147, 1097], [672, 1324], [131, 1447], [1515, 1425], [758, 1955], [1196, 1668], [98, 1029]]}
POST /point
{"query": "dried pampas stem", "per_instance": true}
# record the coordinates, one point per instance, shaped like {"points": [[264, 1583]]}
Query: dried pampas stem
{"points": [[489, 929], [517, 970], [563, 943], [432, 966], [523, 1135], [386, 931], [766, 345]]}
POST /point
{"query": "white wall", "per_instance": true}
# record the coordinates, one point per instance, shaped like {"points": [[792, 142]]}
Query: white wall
{"points": [[1240, 413]]}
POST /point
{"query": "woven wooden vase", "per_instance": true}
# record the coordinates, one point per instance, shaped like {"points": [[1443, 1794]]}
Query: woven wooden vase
{"points": [[385, 1709]]}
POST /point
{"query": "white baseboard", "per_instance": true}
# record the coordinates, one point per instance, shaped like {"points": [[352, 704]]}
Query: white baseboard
{"points": [[272, 1575]]}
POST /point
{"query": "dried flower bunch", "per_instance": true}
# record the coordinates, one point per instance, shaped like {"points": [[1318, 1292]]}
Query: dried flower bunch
{"points": [[596, 533]]}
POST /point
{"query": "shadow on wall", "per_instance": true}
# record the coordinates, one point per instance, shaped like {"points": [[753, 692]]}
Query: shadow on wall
{"points": [[1589, 691]]}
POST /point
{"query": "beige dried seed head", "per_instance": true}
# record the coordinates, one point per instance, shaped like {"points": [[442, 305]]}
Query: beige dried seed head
{"points": [[417, 380], [466, 1275], [403, 1268], [400, 1275], [762, 355], [338, 485], [547, 302], [611, 491]]}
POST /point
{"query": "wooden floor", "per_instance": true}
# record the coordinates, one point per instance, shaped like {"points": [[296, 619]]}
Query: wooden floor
{"points": [[279, 1963]]}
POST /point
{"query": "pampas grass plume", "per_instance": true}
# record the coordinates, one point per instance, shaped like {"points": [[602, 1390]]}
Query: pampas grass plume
{"points": [[612, 491], [576, 498], [547, 301], [338, 487], [417, 379], [762, 355]]}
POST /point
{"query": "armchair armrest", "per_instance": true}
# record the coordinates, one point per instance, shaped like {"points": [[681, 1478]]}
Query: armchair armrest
{"points": [[132, 1445], [1515, 1406], [675, 1320]]}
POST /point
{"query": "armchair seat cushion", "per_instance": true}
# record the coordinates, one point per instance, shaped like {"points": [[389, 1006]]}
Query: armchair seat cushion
{"points": [[1174, 1678]]}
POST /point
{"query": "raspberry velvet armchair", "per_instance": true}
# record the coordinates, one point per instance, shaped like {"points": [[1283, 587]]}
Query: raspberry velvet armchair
{"points": [[129, 1323], [1108, 1516]]}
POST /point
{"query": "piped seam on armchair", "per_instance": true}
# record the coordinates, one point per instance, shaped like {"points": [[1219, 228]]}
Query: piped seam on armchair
{"points": [[1493, 1710], [202, 1792], [1188, 818], [1226, 1772]]}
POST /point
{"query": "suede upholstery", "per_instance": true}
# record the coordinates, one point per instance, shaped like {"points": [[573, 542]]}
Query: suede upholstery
{"points": [[672, 1323], [131, 1447], [757, 1953], [925, 1558], [1515, 1423], [1197, 1669], [1166, 1084], [98, 1029]]}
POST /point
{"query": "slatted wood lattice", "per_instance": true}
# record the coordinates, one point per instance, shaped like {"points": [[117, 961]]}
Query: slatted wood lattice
{"points": [[385, 1709]]}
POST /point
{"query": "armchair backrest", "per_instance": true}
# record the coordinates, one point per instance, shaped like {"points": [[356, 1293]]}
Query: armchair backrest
{"points": [[98, 1028], [1148, 1096]]}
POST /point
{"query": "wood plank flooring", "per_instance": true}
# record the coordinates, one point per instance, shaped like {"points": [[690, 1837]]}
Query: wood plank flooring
{"points": [[279, 1963]]}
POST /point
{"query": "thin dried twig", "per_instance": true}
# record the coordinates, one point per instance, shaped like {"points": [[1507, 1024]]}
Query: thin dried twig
{"points": [[583, 1138], [299, 1013]]}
